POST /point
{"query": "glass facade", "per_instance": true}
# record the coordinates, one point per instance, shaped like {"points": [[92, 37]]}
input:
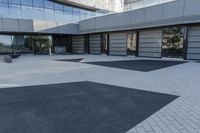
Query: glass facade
{"points": [[23, 44], [43, 10], [173, 42]]}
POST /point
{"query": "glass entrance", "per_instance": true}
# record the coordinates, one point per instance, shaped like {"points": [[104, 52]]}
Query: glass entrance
{"points": [[104, 44], [41, 44], [173, 42], [131, 43]]}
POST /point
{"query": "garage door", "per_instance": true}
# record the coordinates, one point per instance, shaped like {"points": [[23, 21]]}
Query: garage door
{"points": [[118, 44], [150, 43], [95, 44], [193, 50], [78, 44]]}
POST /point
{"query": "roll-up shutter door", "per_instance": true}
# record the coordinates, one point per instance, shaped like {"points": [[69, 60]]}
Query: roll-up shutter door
{"points": [[193, 50], [95, 44], [150, 43], [118, 44], [78, 44]]}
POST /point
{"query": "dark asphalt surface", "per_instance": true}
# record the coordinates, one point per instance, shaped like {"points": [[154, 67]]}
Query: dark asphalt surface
{"points": [[70, 60], [80, 107], [138, 65]]}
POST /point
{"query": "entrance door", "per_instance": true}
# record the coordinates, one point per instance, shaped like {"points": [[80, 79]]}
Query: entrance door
{"points": [[104, 44]]}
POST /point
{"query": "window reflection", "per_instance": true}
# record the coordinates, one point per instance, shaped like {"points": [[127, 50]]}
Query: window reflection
{"points": [[27, 12], [173, 42], [5, 44], [4, 10], [39, 13], [43, 10]]}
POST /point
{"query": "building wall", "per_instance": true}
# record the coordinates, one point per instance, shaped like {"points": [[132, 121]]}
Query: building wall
{"points": [[136, 4], [171, 13], [40, 16], [110, 5]]}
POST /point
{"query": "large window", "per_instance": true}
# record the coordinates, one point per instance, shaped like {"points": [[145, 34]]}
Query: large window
{"points": [[5, 44], [173, 42]]}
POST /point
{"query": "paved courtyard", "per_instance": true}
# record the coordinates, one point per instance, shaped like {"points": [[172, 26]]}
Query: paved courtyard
{"points": [[182, 115]]}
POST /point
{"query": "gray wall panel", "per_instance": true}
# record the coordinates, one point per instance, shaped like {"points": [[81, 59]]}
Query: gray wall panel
{"points": [[69, 29], [150, 43], [154, 13], [192, 7], [10, 25], [173, 9], [100, 22], [25, 26], [95, 44], [171, 13], [193, 50], [78, 44], [118, 44]]}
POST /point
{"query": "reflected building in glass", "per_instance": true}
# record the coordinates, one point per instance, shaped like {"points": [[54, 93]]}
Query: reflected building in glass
{"points": [[28, 26]]}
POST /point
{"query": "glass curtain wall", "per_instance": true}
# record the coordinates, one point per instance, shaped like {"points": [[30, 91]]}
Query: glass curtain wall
{"points": [[5, 44], [173, 42], [43, 10]]}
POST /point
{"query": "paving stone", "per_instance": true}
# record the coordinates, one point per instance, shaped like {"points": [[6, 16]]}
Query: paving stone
{"points": [[178, 80]]}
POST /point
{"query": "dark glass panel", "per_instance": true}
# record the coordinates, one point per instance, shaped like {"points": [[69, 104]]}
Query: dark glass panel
{"points": [[41, 44], [27, 2], [173, 42], [58, 6], [48, 4], [14, 2], [76, 10], [67, 9], [38, 3], [104, 43], [62, 41], [4, 1], [18, 44], [5, 44]]}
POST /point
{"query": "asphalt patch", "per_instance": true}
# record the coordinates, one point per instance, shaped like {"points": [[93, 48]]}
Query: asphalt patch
{"points": [[138, 65], [79, 107], [70, 60]]}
